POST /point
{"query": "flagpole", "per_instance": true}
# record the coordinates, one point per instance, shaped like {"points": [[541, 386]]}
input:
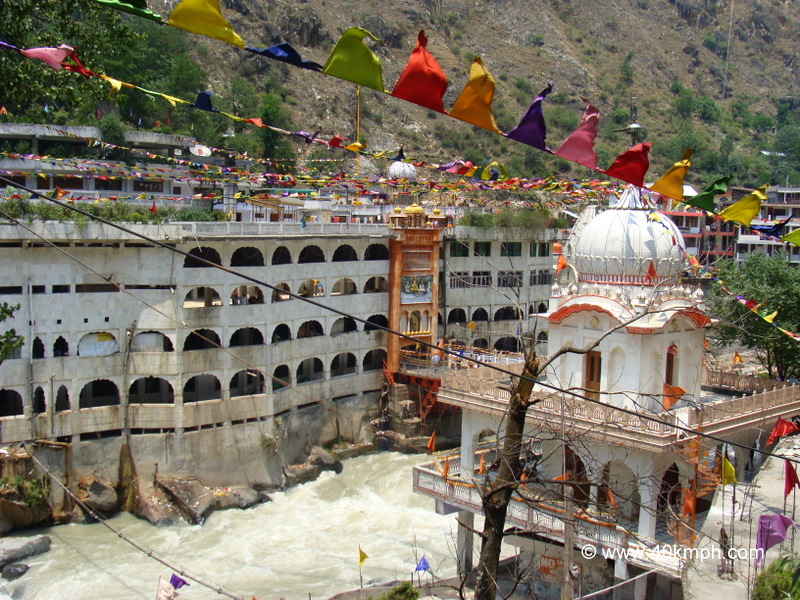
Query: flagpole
{"points": [[794, 501]]}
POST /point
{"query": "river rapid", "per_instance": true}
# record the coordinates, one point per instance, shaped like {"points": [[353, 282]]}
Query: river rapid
{"points": [[303, 545]]}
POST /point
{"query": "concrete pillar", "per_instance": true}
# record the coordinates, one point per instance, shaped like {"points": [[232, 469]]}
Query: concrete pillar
{"points": [[620, 575], [648, 492], [464, 542]]}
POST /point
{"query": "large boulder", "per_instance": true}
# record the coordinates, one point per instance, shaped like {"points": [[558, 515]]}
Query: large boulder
{"points": [[297, 474], [98, 495], [194, 500], [237, 497], [13, 549], [18, 511], [324, 460], [153, 505]]}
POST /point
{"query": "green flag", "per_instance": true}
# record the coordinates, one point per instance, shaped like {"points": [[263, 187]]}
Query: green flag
{"points": [[135, 7], [705, 199], [351, 60]]}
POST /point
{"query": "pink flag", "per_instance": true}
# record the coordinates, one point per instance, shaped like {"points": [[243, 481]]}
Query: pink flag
{"points": [[52, 57], [631, 165], [579, 146]]}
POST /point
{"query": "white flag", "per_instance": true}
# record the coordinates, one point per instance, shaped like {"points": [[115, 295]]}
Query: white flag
{"points": [[165, 590]]}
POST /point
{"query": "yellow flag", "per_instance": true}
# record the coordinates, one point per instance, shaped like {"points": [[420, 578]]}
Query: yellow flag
{"points": [[728, 472], [471, 325], [204, 17], [736, 358], [116, 84], [362, 556], [771, 317], [474, 103], [671, 183], [747, 208]]}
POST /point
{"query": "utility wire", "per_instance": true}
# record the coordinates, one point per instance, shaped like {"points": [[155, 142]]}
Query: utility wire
{"points": [[382, 327]]}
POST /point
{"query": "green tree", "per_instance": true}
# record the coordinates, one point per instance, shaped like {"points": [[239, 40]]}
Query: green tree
{"points": [[276, 145], [10, 342], [781, 579], [771, 284]]}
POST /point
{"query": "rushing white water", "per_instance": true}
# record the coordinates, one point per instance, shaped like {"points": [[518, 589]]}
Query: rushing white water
{"points": [[305, 542]]}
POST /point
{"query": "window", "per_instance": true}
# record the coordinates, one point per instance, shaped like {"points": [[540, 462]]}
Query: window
{"points": [[591, 374], [459, 249], [68, 182], [483, 278], [108, 184], [541, 277], [152, 185], [511, 249], [459, 279], [483, 248], [509, 278], [544, 249]]}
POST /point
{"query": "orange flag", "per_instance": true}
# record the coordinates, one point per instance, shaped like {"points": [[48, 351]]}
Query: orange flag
{"points": [[204, 17], [672, 393], [689, 502], [432, 442], [736, 358], [474, 103]]}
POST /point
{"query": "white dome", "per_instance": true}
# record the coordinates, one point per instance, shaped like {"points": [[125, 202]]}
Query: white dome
{"points": [[401, 170], [619, 244]]}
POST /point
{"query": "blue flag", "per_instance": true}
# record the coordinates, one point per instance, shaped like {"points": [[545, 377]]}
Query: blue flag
{"points": [[423, 565], [177, 582]]}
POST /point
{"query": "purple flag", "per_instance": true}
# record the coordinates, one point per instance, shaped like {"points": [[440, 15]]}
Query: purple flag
{"points": [[771, 531], [177, 582], [531, 128]]}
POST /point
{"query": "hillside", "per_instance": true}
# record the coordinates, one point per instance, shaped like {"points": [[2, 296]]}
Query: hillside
{"points": [[671, 55]]}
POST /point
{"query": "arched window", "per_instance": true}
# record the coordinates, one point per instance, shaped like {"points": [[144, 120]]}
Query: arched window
{"points": [[62, 399], [151, 390], [281, 256], [61, 347], [247, 336], [311, 254], [542, 307], [202, 297], [247, 383], [507, 313], [507, 344], [415, 321], [280, 293], [247, 257], [343, 325], [151, 341], [98, 343], [457, 315], [39, 405], [202, 387], [246, 294], [10, 403], [202, 339], [376, 252], [481, 343], [344, 287], [310, 329], [376, 320], [311, 287], [343, 364], [344, 253], [100, 392], [309, 370], [38, 348], [480, 314], [282, 378], [205, 253], [282, 333], [375, 285], [374, 359]]}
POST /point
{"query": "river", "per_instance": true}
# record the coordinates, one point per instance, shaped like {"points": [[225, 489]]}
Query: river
{"points": [[304, 544]]}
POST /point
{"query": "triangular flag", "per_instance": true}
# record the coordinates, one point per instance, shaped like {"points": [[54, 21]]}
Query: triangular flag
{"points": [[3, 110], [204, 17], [736, 358], [771, 531], [770, 317], [689, 502], [531, 128], [203, 102], [351, 60], [153, 208], [286, 53], [705, 199], [631, 165], [651, 274], [790, 479], [135, 7], [177, 582], [422, 81], [165, 591], [728, 472], [422, 565], [579, 146], [771, 230], [672, 394], [432, 442], [59, 193], [362, 556], [471, 325], [562, 263], [670, 184], [746, 209], [475, 102], [793, 237], [52, 57]]}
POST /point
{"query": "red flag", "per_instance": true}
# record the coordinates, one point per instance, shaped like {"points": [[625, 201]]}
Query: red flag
{"points": [[432, 443], [422, 82], [631, 165], [651, 272], [789, 479], [579, 146], [782, 428], [153, 208], [255, 121]]}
